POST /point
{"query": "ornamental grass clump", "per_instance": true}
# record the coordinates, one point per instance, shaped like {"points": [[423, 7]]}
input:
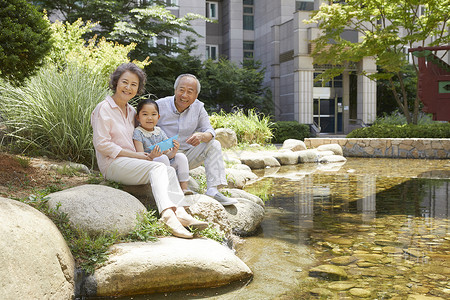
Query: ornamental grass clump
{"points": [[51, 114], [250, 128]]}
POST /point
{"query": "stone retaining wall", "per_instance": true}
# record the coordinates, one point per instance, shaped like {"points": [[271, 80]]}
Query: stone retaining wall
{"points": [[386, 147]]}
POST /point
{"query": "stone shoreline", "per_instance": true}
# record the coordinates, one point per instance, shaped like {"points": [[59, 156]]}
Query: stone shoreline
{"points": [[387, 147]]}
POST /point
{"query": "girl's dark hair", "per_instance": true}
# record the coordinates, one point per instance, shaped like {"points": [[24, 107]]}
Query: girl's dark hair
{"points": [[144, 102], [130, 67]]}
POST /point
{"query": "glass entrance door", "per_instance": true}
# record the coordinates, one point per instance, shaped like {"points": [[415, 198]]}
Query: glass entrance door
{"points": [[328, 114]]}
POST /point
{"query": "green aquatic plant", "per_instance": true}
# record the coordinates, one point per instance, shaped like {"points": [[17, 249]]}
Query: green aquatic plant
{"points": [[251, 127]]}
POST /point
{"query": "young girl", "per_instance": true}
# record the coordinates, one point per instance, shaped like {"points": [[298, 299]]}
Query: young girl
{"points": [[148, 134]]}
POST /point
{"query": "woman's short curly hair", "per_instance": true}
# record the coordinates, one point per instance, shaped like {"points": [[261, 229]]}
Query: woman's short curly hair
{"points": [[130, 67]]}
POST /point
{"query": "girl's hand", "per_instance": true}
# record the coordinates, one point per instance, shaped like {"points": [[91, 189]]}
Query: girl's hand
{"points": [[176, 145], [156, 152], [173, 151]]}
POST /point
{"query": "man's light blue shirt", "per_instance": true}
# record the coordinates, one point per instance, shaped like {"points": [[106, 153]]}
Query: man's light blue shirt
{"points": [[193, 119]]}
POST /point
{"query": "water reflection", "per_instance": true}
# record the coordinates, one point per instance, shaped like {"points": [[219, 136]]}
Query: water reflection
{"points": [[388, 218]]}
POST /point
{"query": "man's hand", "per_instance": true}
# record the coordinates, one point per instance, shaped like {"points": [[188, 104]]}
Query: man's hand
{"points": [[199, 137]]}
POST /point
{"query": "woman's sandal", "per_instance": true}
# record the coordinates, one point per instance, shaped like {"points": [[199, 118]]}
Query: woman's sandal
{"points": [[188, 221], [175, 227]]}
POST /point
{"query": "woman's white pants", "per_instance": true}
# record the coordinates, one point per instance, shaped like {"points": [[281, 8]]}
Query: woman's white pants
{"points": [[163, 179]]}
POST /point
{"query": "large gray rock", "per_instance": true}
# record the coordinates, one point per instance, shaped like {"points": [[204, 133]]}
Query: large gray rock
{"points": [[242, 218], [226, 137], [332, 159], [308, 156], [35, 260], [210, 210], [336, 148], [238, 193], [199, 171], [98, 209], [260, 162], [287, 157], [294, 145], [170, 264], [245, 217], [238, 178]]}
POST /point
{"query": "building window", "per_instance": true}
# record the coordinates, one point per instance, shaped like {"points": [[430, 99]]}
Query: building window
{"points": [[212, 51], [152, 42], [141, 2], [212, 9], [249, 47], [305, 5], [172, 42], [172, 4], [336, 82], [248, 15]]}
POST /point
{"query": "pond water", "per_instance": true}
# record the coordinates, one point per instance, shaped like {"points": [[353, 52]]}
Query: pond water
{"points": [[384, 222]]}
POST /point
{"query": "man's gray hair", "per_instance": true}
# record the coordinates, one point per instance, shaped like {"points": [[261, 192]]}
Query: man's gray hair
{"points": [[177, 81]]}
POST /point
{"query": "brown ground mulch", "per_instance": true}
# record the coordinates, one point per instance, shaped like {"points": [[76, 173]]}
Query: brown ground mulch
{"points": [[18, 181]]}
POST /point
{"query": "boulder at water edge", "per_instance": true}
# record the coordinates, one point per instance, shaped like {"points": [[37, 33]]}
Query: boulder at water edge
{"points": [[169, 264], [245, 217], [238, 193], [287, 157], [242, 218], [294, 145], [308, 156], [336, 148], [98, 209], [260, 162], [237, 178], [35, 260], [226, 137]]}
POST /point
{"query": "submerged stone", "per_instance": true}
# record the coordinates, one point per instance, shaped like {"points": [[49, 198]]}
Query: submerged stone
{"points": [[330, 272], [341, 285], [359, 292], [343, 260], [321, 292], [414, 252]]}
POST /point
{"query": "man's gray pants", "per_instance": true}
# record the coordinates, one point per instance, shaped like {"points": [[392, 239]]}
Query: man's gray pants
{"points": [[211, 155]]}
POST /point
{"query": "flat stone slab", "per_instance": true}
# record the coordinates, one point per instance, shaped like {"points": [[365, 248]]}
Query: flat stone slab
{"points": [[169, 264]]}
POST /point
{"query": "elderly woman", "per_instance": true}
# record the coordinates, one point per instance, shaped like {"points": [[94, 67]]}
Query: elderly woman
{"points": [[113, 122]]}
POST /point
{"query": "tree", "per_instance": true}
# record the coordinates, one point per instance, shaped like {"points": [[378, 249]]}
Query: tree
{"points": [[24, 40], [386, 103], [226, 86], [164, 69], [387, 29], [99, 56], [126, 21]]}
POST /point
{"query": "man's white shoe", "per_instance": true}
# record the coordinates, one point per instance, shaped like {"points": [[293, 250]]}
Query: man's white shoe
{"points": [[225, 201]]}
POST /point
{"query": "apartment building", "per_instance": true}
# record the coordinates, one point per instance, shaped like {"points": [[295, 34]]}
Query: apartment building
{"points": [[273, 32]]}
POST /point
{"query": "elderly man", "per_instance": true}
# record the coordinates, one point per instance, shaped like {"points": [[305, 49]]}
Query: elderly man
{"points": [[185, 115]]}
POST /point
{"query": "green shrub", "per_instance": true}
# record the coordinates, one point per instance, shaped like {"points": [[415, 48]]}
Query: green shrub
{"points": [[397, 118], [433, 130], [283, 130], [51, 114], [251, 128], [25, 39]]}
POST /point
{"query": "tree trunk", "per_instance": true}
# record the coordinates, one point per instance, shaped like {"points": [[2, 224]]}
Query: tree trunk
{"points": [[399, 103]]}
